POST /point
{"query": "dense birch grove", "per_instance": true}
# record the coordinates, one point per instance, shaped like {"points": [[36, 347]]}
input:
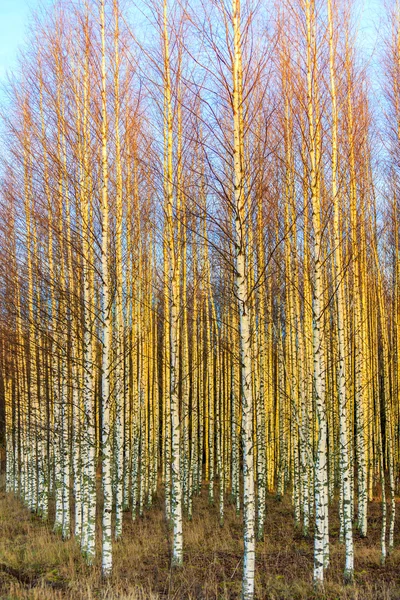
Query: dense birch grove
{"points": [[200, 270]]}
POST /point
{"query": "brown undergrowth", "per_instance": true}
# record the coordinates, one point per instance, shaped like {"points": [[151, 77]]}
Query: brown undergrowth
{"points": [[36, 564]]}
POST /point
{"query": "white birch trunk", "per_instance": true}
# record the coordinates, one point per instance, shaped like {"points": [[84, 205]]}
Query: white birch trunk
{"points": [[106, 322]]}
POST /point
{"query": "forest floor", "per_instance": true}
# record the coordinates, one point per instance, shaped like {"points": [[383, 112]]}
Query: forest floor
{"points": [[36, 564]]}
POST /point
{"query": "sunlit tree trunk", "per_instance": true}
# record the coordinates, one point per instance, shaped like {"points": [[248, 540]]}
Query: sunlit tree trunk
{"points": [[105, 320], [339, 281]]}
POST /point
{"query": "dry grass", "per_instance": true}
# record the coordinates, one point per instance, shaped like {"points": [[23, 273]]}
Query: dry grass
{"points": [[35, 564]]}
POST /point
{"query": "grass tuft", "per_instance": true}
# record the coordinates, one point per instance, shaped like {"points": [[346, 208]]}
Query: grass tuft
{"points": [[36, 564]]}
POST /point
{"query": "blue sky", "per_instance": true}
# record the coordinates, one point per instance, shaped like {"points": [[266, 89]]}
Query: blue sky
{"points": [[14, 20]]}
